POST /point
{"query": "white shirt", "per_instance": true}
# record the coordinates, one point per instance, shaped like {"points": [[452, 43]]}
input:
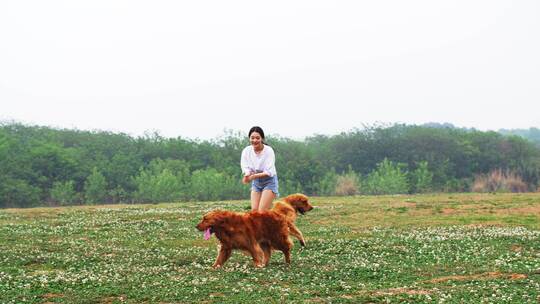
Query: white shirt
{"points": [[264, 162]]}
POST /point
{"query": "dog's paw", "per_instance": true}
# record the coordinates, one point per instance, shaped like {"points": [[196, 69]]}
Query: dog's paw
{"points": [[302, 243]]}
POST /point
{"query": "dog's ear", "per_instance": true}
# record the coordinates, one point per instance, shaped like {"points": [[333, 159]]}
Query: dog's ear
{"points": [[209, 218], [297, 197], [218, 217]]}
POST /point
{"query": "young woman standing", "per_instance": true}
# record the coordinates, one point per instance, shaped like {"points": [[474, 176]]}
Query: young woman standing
{"points": [[258, 166]]}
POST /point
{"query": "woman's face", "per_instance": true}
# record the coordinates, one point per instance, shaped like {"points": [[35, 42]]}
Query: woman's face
{"points": [[256, 140]]}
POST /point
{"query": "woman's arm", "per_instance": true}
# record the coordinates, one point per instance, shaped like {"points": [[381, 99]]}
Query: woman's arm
{"points": [[269, 167], [256, 175], [245, 164]]}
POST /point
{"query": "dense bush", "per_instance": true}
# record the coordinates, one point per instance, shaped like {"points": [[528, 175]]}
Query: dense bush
{"points": [[499, 181], [162, 181], [388, 178], [347, 183], [421, 179], [64, 193], [95, 187], [327, 184], [161, 187], [209, 184], [18, 193]]}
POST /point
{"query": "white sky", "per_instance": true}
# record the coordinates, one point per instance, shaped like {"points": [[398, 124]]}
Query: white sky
{"points": [[296, 68]]}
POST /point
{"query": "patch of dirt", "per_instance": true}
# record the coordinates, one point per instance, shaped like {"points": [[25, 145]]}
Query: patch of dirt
{"points": [[530, 210], [52, 295], [483, 209], [466, 209], [518, 276], [516, 248], [410, 205], [447, 211], [481, 276]]}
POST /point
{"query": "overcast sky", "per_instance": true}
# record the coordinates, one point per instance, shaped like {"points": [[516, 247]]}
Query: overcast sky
{"points": [[296, 68]]}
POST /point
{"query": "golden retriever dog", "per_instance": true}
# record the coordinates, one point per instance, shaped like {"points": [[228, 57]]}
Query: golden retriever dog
{"points": [[247, 231], [289, 207]]}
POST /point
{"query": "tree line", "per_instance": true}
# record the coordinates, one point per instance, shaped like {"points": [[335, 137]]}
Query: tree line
{"points": [[532, 134], [48, 166]]}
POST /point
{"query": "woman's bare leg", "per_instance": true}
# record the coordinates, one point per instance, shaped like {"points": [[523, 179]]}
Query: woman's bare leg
{"points": [[255, 200], [266, 200]]}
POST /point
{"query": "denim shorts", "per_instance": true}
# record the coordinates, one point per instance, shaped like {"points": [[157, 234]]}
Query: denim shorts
{"points": [[265, 183]]}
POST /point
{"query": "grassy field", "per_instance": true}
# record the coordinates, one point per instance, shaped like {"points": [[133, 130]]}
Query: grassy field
{"points": [[446, 248]]}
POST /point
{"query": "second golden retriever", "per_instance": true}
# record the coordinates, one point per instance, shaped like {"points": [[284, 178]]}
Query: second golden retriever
{"points": [[289, 207]]}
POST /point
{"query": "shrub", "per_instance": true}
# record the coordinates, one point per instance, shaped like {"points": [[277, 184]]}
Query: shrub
{"points": [[387, 178], [95, 187], [163, 181], [327, 185], [347, 184], [18, 193], [119, 195], [421, 178], [207, 184], [499, 181], [288, 186], [457, 185], [64, 193], [161, 187]]}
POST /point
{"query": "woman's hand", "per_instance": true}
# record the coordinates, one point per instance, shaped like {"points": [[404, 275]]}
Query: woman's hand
{"points": [[246, 179]]}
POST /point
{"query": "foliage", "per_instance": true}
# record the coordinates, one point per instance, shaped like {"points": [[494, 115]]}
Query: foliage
{"points": [[499, 181], [388, 178], [347, 183], [163, 181], [532, 134], [209, 184], [421, 178], [95, 187], [33, 159], [327, 184], [18, 193], [161, 187], [64, 193], [119, 195]]}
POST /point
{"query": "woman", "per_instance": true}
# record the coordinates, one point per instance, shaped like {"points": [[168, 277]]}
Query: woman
{"points": [[258, 167]]}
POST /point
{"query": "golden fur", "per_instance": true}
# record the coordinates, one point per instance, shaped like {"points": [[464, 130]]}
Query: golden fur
{"points": [[289, 207], [257, 232], [246, 231]]}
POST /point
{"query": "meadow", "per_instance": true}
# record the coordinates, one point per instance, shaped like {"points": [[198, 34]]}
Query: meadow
{"points": [[440, 248]]}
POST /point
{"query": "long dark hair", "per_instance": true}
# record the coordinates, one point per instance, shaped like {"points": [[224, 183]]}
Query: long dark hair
{"points": [[258, 130]]}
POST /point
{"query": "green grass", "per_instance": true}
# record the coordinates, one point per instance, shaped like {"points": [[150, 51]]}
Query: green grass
{"points": [[446, 248]]}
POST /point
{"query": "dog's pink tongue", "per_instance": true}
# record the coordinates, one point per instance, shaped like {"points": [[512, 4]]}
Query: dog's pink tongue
{"points": [[207, 234]]}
